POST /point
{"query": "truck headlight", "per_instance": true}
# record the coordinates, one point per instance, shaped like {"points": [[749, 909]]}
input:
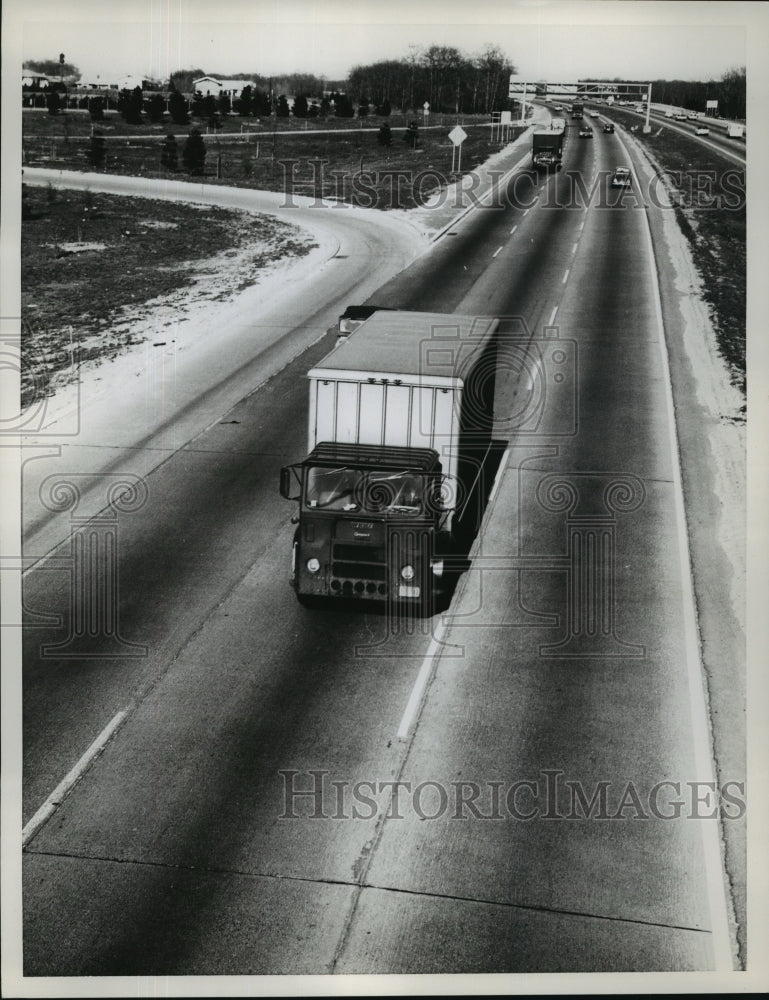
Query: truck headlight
{"points": [[313, 565], [438, 567], [407, 572]]}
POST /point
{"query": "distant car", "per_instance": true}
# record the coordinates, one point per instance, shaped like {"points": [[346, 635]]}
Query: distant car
{"points": [[621, 177], [633, 128], [593, 114], [608, 127], [586, 133], [702, 130], [680, 118], [668, 114], [692, 118]]}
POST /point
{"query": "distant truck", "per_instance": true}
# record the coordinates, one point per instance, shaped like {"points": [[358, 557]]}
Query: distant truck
{"points": [[400, 421], [353, 317], [735, 131], [577, 110], [547, 149]]}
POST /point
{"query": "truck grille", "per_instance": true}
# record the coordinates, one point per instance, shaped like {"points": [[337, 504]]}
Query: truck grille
{"points": [[359, 569], [360, 553]]}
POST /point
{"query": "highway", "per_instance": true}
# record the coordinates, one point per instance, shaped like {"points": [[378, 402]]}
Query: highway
{"points": [[240, 815]]}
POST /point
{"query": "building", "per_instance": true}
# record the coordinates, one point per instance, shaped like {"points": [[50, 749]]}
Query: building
{"points": [[210, 85], [30, 80]]}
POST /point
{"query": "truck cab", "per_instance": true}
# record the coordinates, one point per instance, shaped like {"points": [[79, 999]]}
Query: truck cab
{"points": [[370, 523]]}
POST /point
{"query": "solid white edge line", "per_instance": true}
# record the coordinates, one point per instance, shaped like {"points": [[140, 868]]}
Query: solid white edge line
{"points": [[703, 759], [431, 659], [64, 787]]}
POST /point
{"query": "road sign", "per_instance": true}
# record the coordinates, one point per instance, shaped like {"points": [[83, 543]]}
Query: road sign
{"points": [[457, 135]]}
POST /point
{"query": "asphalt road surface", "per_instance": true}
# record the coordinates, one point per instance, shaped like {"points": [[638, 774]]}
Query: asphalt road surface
{"points": [[241, 817]]}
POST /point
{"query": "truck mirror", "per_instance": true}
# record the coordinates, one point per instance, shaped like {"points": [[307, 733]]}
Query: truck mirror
{"points": [[290, 485]]}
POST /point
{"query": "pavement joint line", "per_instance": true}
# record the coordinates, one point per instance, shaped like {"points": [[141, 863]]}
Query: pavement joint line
{"points": [[531, 907], [280, 876], [65, 786], [430, 661], [715, 876]]}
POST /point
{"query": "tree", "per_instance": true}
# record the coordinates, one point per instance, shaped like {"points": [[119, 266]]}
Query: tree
{"points": [[385, 136], [262, 106], [343, 106], [325, 107], [53, 101], [156, 108], [411, 138], [384, 109], [300, 107], [130, 105], [197, 104], [283, 109], [731, 93], [97, 151], [245, 103], [96, 109], [169, 153], [207, 107], [177, 108], [224, 104], [194, 153], [363, 107], [52, 68]]}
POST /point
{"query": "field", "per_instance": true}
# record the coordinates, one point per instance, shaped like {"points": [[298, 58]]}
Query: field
{"points": [[150, 248], [92, 264], [338, 158]]}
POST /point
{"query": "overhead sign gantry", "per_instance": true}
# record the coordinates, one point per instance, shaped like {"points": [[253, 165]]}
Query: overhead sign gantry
{"points": [[586, 90]]}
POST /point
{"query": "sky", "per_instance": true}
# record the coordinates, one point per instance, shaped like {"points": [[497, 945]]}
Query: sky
{"points": [[547, 40]]}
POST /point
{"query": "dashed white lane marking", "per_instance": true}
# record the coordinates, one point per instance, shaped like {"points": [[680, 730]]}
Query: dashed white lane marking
{"points": [[496, 251], [513, 230], [420, 684], [574, 248], [565, 277], [57, 796], [552, 316], [526, 211]]}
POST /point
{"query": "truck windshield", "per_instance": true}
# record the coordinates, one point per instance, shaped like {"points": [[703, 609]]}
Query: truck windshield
{"points": [[355, 489]]}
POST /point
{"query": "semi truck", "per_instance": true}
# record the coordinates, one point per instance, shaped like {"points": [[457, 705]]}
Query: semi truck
{"points": [[577, 110], [399, 431], [547, 149]]}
